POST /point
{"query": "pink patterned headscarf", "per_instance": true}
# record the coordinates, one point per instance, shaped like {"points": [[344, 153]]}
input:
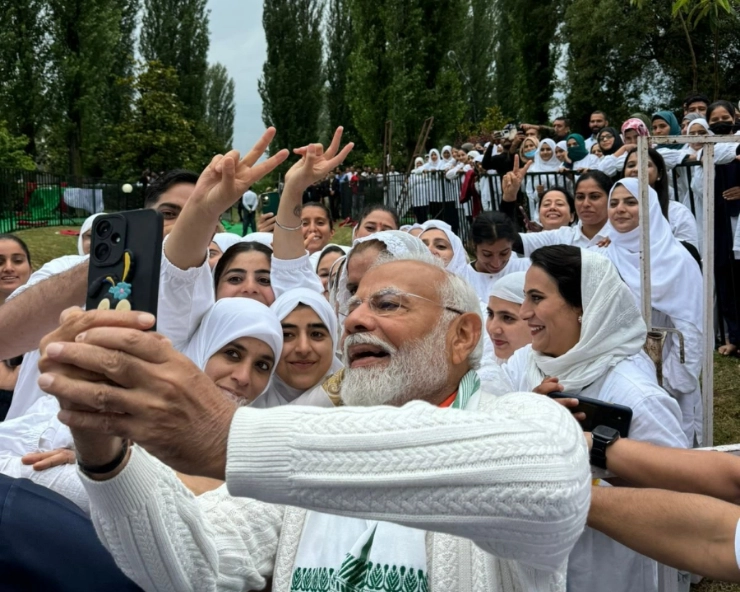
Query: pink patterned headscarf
{"points": [[635, 124]]}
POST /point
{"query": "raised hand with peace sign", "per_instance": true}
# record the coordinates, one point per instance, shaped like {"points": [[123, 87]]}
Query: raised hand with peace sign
{"points": [[512, 182]]}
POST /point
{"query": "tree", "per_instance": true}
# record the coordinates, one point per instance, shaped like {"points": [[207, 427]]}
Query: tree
{"points": [[400, 70], [84, 36], [339, 37], [118, 100], [175, 33], [220, 107], [24, 54], [12, 150], [158, 135], [475, 48], [291, 86]]}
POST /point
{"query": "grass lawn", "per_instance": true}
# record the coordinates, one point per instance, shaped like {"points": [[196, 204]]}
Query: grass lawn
{"points": [[47, 243]]}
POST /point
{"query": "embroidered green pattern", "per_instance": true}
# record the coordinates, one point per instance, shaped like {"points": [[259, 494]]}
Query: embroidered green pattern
{"points": [[355, 576], [469, 385]]}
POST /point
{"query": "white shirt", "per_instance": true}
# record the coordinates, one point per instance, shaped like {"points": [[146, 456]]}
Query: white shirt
{"points": [[565, 235], [656, 418], [249, 200]]}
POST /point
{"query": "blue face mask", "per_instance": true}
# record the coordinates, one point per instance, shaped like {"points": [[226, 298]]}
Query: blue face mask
{"points": [[530, 154]]}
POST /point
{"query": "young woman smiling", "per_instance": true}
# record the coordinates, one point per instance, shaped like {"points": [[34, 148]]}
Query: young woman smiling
{"points": [[15, 265], [675, 290]]}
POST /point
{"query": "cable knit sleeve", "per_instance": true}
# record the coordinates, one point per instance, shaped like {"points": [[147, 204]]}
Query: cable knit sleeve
{"points": [[513, 477], [164, 538]]}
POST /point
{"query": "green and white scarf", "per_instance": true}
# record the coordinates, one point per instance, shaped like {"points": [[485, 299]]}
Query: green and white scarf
{"points": [[340, 554]]}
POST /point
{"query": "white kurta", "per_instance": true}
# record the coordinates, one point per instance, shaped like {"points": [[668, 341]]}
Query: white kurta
{"points": [[566, 235], [656, 418]]}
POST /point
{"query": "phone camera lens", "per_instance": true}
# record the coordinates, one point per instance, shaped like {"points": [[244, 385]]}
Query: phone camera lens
{"points": [[103, 229], [116, 238], [102, 251]]}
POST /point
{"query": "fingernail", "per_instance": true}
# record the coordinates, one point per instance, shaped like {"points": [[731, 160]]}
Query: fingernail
{"points": [[146, 319], [81, 337], [54, 349], [45, 380]]}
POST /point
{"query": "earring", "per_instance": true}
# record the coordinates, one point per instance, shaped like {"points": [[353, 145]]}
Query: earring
{"points": [[580, 319]]}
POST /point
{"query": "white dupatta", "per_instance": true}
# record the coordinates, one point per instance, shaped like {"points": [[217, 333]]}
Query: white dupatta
{"points": [[612, 329]]}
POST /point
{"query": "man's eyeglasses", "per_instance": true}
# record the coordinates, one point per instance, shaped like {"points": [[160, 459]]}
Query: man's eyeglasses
{"points": [[388, 303]]}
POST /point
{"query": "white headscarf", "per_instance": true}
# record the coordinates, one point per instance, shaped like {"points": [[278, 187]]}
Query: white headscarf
{"points": [[419, 165], [699, 121], [397, 243], [563, 145], [234, 318], [434, 166], [675, 277], [319, 254], [510, 287], [545, 166], [224, 240], [446, 162], [258, 237], [86, 227], [612, 329], [280, 393], [459, 259]]}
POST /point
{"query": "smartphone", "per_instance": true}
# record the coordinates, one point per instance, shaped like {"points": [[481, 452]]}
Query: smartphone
{"points": [[599, 413], [270, 202], [125, 256]]}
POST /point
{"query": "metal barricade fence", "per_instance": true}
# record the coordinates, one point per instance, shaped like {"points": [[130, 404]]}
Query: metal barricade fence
{"points": [[31, 199]]}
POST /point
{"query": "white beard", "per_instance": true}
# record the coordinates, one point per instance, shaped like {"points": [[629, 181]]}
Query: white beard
{"points": [[417, 371]]}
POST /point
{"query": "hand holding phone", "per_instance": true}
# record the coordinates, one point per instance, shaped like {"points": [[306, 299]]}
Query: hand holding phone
{"points": [[125, 257], [618, 417]]}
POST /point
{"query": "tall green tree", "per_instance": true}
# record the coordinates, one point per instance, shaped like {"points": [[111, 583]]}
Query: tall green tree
{"points": [[84, 35], [292, 82], [220, 107], [400, 70], [175, 33], [24, 69], [339, 36], [158, 135], [475, 49], [118, 98]]}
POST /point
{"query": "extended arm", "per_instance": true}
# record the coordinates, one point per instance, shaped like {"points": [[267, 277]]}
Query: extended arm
{"points": [[716, 474], [27, 317], [444, 470], [689, 532]]}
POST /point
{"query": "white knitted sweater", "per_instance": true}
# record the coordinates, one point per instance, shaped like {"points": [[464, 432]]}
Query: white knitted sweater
{"points": [[503, 493]]}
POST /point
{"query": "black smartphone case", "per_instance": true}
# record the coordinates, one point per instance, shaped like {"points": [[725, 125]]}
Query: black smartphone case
{"points": [[618, 417], [125, 257]]}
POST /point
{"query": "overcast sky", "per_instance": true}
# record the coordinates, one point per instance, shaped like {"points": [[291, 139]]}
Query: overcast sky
{"points": [[238, 42]]}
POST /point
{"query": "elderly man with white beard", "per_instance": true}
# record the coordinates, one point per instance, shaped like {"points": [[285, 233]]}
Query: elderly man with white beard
{"points": [[420, 481]]}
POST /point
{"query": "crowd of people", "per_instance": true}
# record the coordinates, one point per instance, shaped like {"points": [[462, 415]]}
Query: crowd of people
{"points": [[379, 416]]}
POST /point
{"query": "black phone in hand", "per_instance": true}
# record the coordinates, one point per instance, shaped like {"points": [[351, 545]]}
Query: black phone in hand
{"points": [[618, 417]]}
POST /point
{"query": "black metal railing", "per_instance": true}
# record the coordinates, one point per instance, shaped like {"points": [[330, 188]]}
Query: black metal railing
{"points": [[31, 199]]}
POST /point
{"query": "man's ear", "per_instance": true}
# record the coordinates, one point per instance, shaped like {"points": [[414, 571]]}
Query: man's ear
{"points": [[464, 335]]}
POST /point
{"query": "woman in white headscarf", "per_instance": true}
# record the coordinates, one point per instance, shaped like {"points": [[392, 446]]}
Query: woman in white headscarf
{"points": [[418, 190], [676, 292], [310, 340], [506, 329], [546, 165], [364, 253], [83, 241], [434, 183], [587, 339]]}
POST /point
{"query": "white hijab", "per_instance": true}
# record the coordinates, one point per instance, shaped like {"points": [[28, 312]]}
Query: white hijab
{"points": [[434, 166], [459, 260], [545, 166], [234, 318], [674, 275], [258, 237], [86, 227], [224, 240], [397, 243], [510, 287], [446, 162], [612, 329], [419, 165], [279, 392]]}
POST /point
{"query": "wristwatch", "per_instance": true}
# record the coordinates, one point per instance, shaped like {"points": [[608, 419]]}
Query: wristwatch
{"points": [[602, 437]]}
